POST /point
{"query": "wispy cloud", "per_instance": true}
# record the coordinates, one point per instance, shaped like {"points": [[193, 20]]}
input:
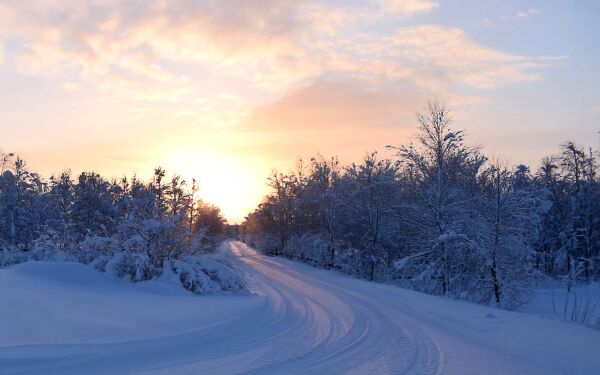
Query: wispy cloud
{"points": [[408, 7], [486, 22], [442, 56], [520, 15]]}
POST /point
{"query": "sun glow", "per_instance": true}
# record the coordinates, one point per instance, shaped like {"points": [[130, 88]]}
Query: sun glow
{"points": [[227, 181]]}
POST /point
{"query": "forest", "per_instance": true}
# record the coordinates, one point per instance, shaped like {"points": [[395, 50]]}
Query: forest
{"points": [[440, 217], [127, 226]]}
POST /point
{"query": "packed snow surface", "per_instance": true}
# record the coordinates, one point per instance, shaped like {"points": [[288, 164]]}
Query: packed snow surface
{"points": [[66, 318]]}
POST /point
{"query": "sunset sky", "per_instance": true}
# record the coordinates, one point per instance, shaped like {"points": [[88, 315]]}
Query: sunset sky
{"points": [[227, 90]]}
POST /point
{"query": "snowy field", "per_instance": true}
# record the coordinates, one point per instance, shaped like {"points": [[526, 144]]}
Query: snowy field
{"points": [[66, 318]]}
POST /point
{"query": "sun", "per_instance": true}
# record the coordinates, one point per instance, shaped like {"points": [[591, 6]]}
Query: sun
{"points": [[227, 181]]}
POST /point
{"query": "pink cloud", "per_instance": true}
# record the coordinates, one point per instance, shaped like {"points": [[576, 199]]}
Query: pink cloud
{"points": [[349, 118]]}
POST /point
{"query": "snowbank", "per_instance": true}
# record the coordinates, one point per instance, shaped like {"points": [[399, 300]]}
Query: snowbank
{"points": [[207, 275], [198, 274], [66, 302], [552, 300]]}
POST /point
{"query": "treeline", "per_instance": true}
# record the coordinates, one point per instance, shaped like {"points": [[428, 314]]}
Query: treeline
{"points": [[440, 218], [90, 217]]}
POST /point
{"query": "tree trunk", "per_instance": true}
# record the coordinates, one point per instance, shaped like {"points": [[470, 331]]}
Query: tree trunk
{"points": [[495, 282]]}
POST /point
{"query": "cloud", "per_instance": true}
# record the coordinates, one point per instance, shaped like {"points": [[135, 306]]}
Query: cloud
{"points": [[520, 15], [328, 105], [341, 107], [111, 42], [1, 53], [487, 23], [166, 51], [408, 7], [450, 55], [351, 119]]}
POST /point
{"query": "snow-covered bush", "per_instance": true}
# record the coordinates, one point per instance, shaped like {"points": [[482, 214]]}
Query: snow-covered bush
{"points": [[351, 261], [310, 248], [97, 247], [207, 275], [267, 243], [10, 257], [132, 266]]}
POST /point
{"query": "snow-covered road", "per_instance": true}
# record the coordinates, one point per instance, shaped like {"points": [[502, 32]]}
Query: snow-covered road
{"points": [[306, 321], [316, 325]]}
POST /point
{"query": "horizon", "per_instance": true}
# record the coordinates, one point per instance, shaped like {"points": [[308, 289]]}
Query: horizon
{"points": [[226, 93]]}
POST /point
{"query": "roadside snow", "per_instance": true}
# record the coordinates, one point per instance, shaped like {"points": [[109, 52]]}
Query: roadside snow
{"points": [[581, 305], [198, 274], [65, 302]]}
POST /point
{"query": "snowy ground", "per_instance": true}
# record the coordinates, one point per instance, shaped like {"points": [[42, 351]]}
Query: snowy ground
{"points": [[551, 300], [68, 318]]}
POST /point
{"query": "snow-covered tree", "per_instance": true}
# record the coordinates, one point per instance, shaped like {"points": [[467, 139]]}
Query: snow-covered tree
{"points": [[19, 204], [441, 174], [507, 239], [370, 210]]}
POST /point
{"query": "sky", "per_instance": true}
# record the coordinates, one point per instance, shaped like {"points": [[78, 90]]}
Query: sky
{"points": [[226, 91]]}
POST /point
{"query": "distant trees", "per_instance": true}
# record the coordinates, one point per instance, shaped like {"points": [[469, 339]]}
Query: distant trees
{"points": [[208, 218], [441, 218], [91, 217]]}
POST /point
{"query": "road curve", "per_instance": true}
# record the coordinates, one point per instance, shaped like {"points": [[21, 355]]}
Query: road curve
{"points": [[311, 321]]}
